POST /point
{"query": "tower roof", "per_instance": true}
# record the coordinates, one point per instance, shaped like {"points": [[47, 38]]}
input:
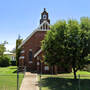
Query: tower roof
{"points": [[44, 11], [44, 16]]}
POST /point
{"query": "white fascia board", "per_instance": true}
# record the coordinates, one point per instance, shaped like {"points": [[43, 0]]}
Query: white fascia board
{"points": [[38, 29], [43, 23], [37, 53], [29, 37]]}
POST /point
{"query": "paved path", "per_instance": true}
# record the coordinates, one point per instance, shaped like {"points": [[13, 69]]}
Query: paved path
{"points": [[29, 82]]}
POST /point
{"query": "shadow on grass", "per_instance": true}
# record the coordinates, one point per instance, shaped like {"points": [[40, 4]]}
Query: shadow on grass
{"points": [[15, 71], [65, 84], [13, 68]]}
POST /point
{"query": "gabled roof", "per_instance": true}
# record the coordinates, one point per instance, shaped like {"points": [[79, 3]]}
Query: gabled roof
{"points": [[38, 29], [45, 22], [8, 53]]}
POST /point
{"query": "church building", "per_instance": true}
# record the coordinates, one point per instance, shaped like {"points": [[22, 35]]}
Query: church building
{"points": [[31, 53]]}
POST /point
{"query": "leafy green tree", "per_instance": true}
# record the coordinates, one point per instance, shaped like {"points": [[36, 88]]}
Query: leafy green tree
{"points": [[66, 44], [2, 48], [77, 46], [89, 41], [53, 44], [85, 23], [18, 50], [4, 61]]}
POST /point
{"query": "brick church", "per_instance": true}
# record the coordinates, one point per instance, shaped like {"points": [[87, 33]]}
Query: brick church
{"points": [[31, 53]]}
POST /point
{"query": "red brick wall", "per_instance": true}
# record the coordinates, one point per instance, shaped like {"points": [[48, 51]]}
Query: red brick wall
{"points": [[33, 43]]}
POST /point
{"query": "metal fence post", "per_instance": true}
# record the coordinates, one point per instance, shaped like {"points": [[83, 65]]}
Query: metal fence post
{"points": [[79, 81], [17, 79], [41, 77]]}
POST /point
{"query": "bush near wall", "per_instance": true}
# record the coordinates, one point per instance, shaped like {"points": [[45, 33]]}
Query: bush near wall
{"points": [[13, 63], [4, 61]]}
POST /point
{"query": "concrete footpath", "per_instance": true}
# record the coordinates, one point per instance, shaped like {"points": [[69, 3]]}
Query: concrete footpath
{"points": [[30, 82]]}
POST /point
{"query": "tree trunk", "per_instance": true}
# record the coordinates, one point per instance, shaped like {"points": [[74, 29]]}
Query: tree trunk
{"points": [[55, 69], [52, 70], [75, 77]]}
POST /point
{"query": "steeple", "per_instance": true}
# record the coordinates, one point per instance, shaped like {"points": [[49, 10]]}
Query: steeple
{"points": [[44, 17]]}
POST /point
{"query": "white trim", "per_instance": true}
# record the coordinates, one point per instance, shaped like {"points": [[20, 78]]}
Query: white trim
{"points": [[30, 62], [37, 53], [46, 68], [38, 29], [21, 57], [38, 63], [22, 51], [44, 22]]}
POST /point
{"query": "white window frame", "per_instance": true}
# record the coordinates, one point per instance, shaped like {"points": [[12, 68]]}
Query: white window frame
{"points": [[30, 62], [21, 57], [22, 51], [38, 63], [46, 68]]}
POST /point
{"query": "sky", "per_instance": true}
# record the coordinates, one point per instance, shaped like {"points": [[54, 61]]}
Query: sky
{"points": [[21, 17]]}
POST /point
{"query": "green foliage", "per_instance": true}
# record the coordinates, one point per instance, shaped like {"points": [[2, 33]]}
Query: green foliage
{"points": [[85, 23], [13, 63], [4, 61], [51, 44], [67, 44], [89, 41], [18, 50], [88, 58], [2, 48]]}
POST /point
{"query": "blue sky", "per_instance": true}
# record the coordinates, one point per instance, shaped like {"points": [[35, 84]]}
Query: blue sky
{"points": [[22, 16]]}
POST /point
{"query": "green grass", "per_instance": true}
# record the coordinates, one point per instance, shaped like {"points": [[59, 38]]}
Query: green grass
{"points": [[66, 81], [8, 78]]}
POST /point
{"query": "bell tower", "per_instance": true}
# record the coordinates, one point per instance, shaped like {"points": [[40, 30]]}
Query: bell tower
{"points": [[44, 21], [44, 17]]}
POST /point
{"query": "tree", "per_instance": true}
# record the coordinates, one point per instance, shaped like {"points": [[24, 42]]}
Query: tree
{"points": [[2, 48], [85, 23], [77, 46], [66, 44], [18, 50], [53, 44], [4, 61]]}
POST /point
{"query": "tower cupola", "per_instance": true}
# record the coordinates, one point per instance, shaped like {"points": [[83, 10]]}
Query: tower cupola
{"points": [[44, 21], [44, 16]]}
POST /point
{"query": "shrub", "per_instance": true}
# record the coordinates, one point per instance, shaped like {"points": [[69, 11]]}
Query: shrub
{"points": [[4, 61], [13, 63]]}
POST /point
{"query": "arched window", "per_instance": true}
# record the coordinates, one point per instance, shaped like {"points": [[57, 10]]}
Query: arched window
{"points": [[30, 55]]}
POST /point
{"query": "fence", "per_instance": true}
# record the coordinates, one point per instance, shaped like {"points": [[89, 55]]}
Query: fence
{"points": [[11, 81]]}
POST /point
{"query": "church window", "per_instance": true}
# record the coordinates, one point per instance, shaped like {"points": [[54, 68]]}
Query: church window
{"points": [[38, 63], [21, 57], [46, 68], [30, 55]]}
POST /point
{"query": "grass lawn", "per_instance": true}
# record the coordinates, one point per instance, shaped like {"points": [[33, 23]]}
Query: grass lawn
{"points": [[8, 78], [66, 81]]}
